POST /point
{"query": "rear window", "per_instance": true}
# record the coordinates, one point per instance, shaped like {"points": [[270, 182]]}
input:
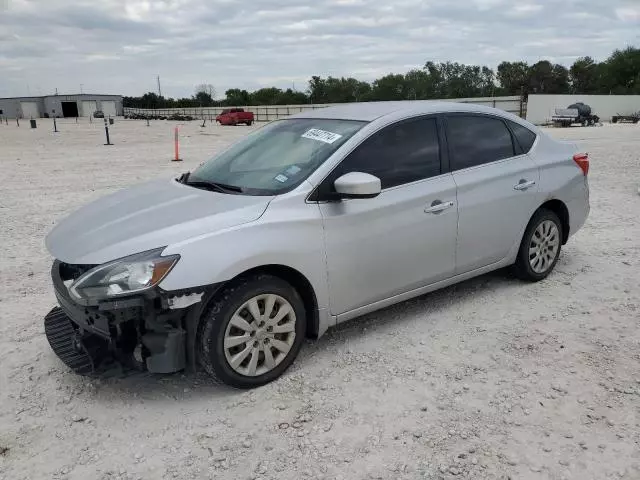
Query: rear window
{"points": [[524, 136]]}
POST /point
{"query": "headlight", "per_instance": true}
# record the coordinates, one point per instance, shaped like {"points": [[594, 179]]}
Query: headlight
{"points": [[125, 276]]}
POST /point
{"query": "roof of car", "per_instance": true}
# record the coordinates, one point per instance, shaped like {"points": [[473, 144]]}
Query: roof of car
{"points": [[369, 111]]}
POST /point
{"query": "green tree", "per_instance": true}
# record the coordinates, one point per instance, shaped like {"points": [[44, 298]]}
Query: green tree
{"points": [[237, 97], [585, 76], [204, 95], [266, 96], [318, 90], [513, 77], [344, 90], [545, 77], [390, 87], [619, 74], [622, 72], [292, 97], [203, 99]]}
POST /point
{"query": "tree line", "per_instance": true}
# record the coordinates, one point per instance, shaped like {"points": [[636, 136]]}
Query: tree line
{"points": [[619, 74]]}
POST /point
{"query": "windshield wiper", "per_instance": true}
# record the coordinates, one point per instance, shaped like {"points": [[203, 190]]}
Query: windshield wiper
{"points": [[214, 187]]}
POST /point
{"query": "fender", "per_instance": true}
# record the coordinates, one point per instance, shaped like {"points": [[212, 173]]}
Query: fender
{"points": [[293, 238]]}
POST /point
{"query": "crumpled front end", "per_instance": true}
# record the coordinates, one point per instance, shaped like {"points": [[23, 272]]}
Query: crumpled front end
{"points": [[153, 330]]}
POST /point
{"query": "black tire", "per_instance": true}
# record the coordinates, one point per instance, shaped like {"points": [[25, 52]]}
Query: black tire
{"points": [[249, 123], [522, 267], [210, 341]]}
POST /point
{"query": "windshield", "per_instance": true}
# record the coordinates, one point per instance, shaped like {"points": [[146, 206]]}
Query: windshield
{"points": [[277, 157]]}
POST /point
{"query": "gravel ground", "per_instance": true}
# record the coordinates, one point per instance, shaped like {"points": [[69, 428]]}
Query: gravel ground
{"points": [[492, 378]]}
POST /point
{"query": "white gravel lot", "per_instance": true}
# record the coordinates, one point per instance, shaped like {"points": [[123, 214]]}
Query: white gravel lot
{"points": [[492, 378]]}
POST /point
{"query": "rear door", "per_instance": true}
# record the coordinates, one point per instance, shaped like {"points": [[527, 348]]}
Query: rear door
{"points": [[404, 238], [497, 188]]}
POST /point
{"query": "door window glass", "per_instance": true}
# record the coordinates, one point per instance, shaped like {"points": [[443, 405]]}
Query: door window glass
{"points": [[399, 154], [475, 140]]}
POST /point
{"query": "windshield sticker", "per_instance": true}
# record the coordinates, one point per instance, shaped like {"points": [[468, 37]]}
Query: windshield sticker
{"points": [[292, 170], [321, 135], [281, 178]]}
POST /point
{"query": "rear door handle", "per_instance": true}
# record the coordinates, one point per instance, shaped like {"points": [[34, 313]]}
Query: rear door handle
{"points": [[438, 206], [524, 184]]}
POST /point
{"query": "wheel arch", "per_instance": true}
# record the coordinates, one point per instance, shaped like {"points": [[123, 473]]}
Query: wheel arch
{"points": [[298, 281], [560, 209]]}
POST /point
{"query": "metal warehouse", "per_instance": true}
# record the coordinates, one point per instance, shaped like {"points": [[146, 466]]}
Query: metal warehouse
{"points": [[81, 105]]}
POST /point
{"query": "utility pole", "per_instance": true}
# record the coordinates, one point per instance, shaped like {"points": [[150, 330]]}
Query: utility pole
{"points": [[159, 89], [81, 85]]}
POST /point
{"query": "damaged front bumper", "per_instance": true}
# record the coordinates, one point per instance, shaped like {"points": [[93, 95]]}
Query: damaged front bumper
{"points": [[154, 330]]}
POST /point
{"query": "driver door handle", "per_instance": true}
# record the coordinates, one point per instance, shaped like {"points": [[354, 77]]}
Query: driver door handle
{"points": [[523, 185], [438, 206]]}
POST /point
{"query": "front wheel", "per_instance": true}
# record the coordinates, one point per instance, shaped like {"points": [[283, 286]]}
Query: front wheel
{"points": [[540, 247], [252, 332]]}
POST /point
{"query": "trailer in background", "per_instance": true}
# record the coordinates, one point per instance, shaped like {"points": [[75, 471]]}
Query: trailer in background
{"points": [[577, 113], [633, 118]]}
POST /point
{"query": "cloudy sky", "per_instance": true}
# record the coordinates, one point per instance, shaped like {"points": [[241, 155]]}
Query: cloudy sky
{"points": [[119, 46]]}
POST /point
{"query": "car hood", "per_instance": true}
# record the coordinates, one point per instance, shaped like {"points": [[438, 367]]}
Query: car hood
{"points": [[147, 216]]}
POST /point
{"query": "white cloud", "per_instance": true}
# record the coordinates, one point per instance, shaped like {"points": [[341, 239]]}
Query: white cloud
{"points": [[524, 9], [629, 14], [120, 45]]}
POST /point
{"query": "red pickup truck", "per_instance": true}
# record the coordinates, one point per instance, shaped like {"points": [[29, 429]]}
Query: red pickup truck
{"points": [[234, 116]]}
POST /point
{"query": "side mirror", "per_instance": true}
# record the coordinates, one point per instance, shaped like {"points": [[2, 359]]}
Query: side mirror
{"points": [[357, 185]]}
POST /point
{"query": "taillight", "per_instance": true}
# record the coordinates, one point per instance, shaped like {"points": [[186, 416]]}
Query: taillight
{"points": [[582, 159]]}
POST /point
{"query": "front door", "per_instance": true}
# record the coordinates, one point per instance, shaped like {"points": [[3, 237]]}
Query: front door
{"points": [[404, 238]]}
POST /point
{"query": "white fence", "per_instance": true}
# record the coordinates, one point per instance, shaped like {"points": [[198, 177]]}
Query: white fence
{"points": [[540, 108], [268, 113]]}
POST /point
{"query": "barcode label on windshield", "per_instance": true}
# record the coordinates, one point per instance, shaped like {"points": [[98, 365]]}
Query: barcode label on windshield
{"points": [[321, 135]]}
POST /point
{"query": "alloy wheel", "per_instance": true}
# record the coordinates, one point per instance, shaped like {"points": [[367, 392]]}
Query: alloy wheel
{"points": [[544, 246], [259, 335]]}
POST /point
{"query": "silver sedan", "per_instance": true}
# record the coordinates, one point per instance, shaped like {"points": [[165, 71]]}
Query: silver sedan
{"points": [[305, 223]]}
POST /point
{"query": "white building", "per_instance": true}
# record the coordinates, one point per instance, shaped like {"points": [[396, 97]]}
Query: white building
{"points": [[81, 105]]}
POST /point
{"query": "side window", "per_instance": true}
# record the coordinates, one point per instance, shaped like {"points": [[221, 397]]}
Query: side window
{"points": [[476, 140], [524, 136], [398, 154]]}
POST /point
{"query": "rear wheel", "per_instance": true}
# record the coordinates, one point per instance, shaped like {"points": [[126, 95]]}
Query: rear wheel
{"points": [[252, 332], [249, 123], [540, 247]]}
